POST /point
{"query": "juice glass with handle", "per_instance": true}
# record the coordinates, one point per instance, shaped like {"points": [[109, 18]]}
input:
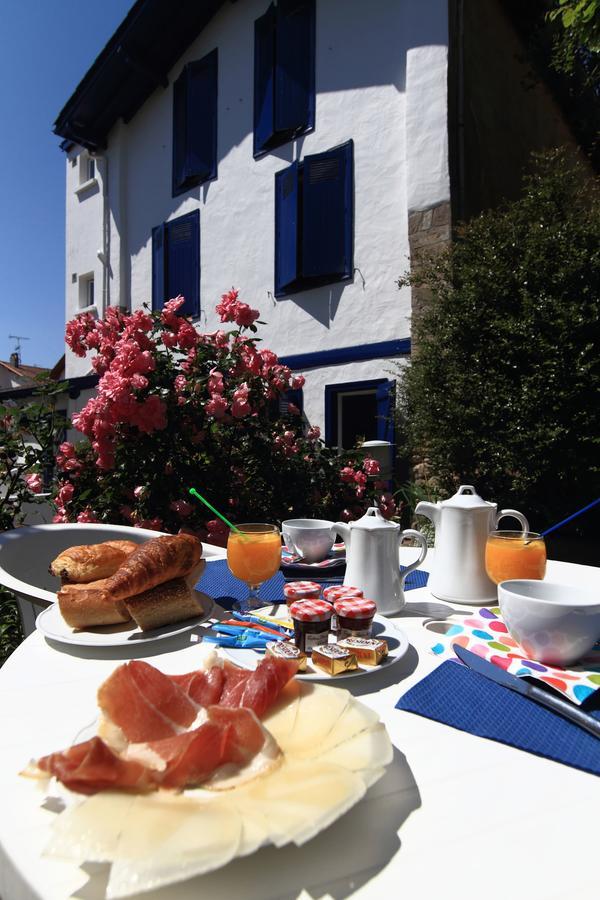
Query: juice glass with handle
{"points": [[515, 554], [253, 556]]}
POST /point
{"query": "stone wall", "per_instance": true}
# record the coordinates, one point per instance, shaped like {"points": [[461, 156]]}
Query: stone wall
{"points": [[429, 231]]}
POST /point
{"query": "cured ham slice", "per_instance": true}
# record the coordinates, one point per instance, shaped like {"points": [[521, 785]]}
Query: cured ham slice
{"points": [[204, 688], [261, 688], [229, 736], [91, 767], [146, 704]]}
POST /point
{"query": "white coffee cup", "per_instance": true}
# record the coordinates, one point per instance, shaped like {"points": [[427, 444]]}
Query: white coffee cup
{"points": [[312, 539]]}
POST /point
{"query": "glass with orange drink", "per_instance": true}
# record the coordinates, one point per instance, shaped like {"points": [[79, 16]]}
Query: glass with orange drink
{"points": [[253, 556], [515, 554]]}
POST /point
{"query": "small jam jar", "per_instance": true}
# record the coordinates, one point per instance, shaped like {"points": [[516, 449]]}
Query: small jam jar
{"points": [[312, 621], [354, 616], [336, 592], [301, 590]]}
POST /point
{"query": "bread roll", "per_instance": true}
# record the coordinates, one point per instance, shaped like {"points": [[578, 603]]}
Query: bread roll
{"points": [[155, 562], [91, 562], [86, 605], [165, 604]]}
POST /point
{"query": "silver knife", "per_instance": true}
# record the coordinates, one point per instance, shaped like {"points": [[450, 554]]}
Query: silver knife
{"points": [[563, 707]]}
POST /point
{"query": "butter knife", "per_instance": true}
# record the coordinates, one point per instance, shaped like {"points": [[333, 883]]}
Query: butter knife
{"points": [[563, 707]]}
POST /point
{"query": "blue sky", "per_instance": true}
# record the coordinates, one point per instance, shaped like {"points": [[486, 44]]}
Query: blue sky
{"points": [[46, 49]]}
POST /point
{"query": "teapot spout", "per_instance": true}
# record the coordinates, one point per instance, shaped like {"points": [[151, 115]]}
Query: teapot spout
{"points": [[343, 530], [430, 510]]}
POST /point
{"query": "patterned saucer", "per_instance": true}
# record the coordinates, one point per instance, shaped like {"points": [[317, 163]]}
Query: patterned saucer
{"points": [[336, 557]]}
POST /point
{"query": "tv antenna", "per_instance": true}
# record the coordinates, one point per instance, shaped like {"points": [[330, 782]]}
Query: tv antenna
{"points": [[18, 338]]}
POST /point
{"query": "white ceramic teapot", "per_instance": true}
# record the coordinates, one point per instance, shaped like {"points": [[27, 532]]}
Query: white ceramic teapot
{"points": [[462, 524], [372, 558]]}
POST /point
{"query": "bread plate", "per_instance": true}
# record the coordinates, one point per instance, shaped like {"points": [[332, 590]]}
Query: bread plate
{"points": [[398, 645], [128, 634]]}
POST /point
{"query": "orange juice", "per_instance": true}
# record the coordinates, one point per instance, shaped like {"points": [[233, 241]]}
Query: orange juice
{"points": [[515, 555], [254, 557]]}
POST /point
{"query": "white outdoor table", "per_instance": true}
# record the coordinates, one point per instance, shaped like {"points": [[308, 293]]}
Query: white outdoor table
{"points": [[455, 816]]}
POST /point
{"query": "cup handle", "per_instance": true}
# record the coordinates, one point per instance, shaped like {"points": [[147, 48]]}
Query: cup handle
{"points": [[287, 540], [515, 514], [422, 540]]}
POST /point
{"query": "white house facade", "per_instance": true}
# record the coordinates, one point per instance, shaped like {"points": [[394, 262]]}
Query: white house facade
{"points": [[283, 152]]}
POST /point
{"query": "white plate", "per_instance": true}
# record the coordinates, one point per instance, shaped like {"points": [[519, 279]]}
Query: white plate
{"points": [[52, 625], [382, 628]]}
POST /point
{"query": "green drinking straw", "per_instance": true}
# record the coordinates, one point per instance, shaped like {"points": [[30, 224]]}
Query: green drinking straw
{"points": [[195, 493]]}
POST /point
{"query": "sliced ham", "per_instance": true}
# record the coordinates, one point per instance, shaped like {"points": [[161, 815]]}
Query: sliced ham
{"points": [[92, 766], [146, 704], [261, 688], [204, 688]]}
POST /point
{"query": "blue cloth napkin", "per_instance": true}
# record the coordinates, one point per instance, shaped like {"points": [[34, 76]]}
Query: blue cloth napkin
{"points": [[457, 696], [218, 582]]}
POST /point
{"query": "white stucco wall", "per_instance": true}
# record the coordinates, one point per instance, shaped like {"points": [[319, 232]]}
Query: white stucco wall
{"points": [[373, 64]]}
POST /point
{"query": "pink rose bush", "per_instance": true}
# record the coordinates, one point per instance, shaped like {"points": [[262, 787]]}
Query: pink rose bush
{"points": [[175, 408]]}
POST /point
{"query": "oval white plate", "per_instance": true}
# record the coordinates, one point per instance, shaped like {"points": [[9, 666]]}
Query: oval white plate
{"points": [[382, 628], [52, 625]]}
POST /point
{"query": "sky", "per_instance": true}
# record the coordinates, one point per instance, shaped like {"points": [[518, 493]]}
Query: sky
{"points": [[47, 47]]}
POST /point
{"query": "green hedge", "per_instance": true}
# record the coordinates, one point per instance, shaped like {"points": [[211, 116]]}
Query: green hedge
{"points": [[503, 389]]}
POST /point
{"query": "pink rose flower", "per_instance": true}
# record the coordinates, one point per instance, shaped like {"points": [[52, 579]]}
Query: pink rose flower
{"points": [[182, 508], [34, 483], [298, 381], [347, 474], [313, 433], [215, 382], [216, 406], [87, 515], [371, 466]]}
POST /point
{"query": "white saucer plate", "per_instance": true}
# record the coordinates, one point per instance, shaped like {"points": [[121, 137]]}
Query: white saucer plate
{"points": [[398, 645]]}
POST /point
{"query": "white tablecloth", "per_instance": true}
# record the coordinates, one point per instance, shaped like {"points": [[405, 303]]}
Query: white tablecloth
{"points": [[455, 816]]}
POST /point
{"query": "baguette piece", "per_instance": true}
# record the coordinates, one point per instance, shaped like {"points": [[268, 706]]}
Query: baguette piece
{"points": [[91, 562], [154, 562], [165, 604], [87, 605]]}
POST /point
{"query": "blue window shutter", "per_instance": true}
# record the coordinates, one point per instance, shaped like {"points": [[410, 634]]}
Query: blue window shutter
{"points": [[158, 267], [295, 66], [328, 215], [385, 423], [201, 116], [264, 81], [183, 261], [286, 228]]}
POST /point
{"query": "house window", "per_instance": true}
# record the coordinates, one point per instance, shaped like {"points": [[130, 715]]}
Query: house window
{"points": [[195, 124], [87, 168], [314, 221], [176, 263], [358, 410], [91, 168], [284, 74], [86, 290]]}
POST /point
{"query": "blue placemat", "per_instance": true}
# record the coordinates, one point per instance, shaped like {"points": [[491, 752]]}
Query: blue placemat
{"points": [[218, 582], [459, 697]]}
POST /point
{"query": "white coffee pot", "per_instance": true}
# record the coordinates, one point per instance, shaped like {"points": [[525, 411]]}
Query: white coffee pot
{"points": [[373, 561], [462, 524]]}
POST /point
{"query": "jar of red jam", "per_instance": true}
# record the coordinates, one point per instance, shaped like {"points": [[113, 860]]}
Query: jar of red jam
{"points": [[336, 592], [354, 617], [312, 621], [301, 590]]}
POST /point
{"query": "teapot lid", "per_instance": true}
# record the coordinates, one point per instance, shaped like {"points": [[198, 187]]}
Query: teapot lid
{"points": [[466, 497], [373, 521]]}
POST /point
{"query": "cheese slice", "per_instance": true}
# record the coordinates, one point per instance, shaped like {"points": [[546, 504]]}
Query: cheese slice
{"points": [[91, 830], [319, 709], [281, 718], [171, 839], [355, 717], [369, 749]]}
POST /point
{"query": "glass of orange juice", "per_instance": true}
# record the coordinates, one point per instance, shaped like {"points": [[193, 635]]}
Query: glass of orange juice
{"points": [[253, 556], [515, 554]]}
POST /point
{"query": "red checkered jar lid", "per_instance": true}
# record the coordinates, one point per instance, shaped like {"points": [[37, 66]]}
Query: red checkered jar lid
{"points": [[310, 610], [355, 608], [337, 591], [300, 590]]}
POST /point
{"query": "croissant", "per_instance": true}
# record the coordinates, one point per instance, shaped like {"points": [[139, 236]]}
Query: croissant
{"points": [[91, 562], [154, 562]]}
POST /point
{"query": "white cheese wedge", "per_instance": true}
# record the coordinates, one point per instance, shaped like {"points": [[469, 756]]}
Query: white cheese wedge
{"points": [[90, 831], [370, 749], [319, 709], [355, 717], [171, 839], [281, 718]]}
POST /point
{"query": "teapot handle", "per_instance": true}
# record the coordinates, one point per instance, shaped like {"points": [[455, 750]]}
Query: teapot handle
{"points": [[515, 514], [422, 540]]}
